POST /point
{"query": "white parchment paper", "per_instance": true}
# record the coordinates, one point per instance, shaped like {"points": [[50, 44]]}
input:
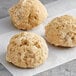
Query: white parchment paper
{"points": [[57, 56]]}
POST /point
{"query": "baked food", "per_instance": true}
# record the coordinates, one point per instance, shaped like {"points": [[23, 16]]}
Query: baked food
{"points": [[61, 31], [27, 14], [27, 50]]}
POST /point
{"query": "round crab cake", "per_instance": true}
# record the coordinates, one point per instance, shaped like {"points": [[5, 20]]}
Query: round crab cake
{"points": [[27, 14], [61, 31], [27, 50]]}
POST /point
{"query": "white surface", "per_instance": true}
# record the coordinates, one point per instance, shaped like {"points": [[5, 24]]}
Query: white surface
{"points": [[60, 6], [57, 56]]}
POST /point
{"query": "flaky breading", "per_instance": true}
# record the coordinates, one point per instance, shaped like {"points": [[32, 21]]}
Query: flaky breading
{"points": [[61, 31], [27, 50], [27, 14]]}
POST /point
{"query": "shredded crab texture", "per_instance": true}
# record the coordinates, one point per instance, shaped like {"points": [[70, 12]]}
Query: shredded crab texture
{"points": [[27, 14], [61, 31], [27, 50]]}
